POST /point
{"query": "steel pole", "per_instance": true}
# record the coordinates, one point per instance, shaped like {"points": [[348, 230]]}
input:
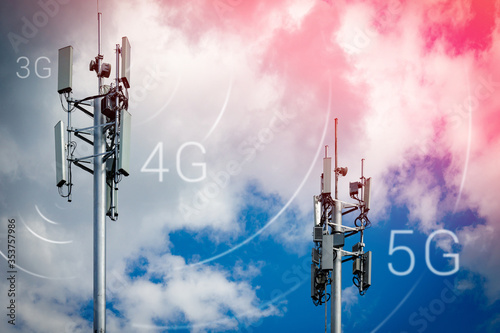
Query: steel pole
{"points": [[336, 291], [99, 206], [336, 307]]}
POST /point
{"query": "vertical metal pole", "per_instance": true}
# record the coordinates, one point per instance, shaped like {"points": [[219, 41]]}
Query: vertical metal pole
{"points": [[336, 291], [362, 180], [336, 162], [336, 306], [68, 129], [99, 206], [114, 201], [326, 316], [68, 154]]}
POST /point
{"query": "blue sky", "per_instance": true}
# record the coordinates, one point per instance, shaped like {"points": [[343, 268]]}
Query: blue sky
{"points": [[237, 100]]}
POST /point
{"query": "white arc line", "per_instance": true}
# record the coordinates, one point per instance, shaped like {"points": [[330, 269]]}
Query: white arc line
{"points": [[170, 98], [37, 275], [43, 238], [467, 154], [228, 94], [318, 151], [43, 216], [398, 306]]}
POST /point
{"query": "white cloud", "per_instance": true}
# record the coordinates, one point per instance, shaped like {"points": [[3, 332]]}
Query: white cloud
{"points": [[248, 271], [395, 100], [350, 296], [202, 297]]}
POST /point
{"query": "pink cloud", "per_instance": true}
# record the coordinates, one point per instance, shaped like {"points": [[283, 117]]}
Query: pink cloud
{"points": [[401, 76]]}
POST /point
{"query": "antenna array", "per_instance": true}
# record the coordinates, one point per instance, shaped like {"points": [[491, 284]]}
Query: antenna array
{"points": [[110, 138], [329, 237]]}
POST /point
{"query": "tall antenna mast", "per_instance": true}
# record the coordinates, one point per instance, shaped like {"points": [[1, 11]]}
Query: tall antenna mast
{"points": [[329, 238], [336, 161], [111, 141], [99, 208], [336, 285]]}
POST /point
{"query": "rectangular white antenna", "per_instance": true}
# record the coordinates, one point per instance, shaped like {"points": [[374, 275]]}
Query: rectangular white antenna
{"points": [[317, 211], [327, 252], [60, 154], [366, 196], [124, 153], [367, 270], [327, 175], [65, 70], [125, 77]]}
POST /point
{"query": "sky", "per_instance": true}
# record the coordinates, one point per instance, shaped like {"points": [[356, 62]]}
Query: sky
{"points": [[232, 104]]}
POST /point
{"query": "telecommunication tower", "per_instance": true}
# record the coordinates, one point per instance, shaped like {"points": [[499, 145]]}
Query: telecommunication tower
{"points": [[329, 236], [110, 137]]}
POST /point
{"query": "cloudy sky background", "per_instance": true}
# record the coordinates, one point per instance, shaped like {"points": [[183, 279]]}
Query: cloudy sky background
{"points": [[250, 89]]}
